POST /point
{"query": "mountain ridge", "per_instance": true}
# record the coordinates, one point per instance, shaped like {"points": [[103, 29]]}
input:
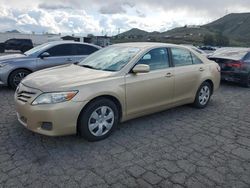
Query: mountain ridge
{"points": [[235, 26]]}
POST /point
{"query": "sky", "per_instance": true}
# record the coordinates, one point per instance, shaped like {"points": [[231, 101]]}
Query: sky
{"points": [[100, 17]]}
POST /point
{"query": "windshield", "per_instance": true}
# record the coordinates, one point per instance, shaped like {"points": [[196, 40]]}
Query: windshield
{"points": [[112, 58], [36, 49]]}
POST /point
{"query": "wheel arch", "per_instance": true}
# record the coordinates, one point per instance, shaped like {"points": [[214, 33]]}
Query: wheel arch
{"points": [[19, 68], [211, 84]]}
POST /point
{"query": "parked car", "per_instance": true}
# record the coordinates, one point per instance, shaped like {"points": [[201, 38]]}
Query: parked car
{"points": [[16, 44], [115, 84], [13, 68], [196, 49], [234, 63]]}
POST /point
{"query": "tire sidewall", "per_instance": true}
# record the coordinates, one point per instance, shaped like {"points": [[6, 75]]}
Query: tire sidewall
{"points": [[86, 113], [248, 81], [2, 49], [197, 102], [12, 75]]}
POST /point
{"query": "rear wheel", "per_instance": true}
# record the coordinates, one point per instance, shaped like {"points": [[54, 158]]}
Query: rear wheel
{"points": [[16, 77], [98, 120], [1, 49], [24, 49], [203, 95], [248, 81]]}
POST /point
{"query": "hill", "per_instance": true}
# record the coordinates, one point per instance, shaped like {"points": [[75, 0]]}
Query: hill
{"points": [[236, 27], [134, 32]]}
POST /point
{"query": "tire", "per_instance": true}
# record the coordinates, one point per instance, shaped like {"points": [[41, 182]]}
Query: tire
{"points": [[16, 77], [203, 95], [24, 49], [2, 49], [247, 84], [103, 122]]}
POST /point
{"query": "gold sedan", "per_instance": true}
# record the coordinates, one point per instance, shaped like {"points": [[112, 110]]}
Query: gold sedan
{"points": [[115, 84]]}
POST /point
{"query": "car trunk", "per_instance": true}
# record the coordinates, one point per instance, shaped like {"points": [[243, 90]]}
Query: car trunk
{"points": [[228, 65]]}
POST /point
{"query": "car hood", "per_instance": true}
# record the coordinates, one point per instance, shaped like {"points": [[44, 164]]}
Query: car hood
{"points": [[63, 78], [12, 57]]}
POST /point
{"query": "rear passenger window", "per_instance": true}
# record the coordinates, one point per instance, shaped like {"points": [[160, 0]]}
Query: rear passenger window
{"points": [[195, 59], [82, 49], [156, 59], [61, 50], [181, 57]]}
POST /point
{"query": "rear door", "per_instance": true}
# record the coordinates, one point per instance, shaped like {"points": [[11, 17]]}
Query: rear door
{"points": [[59, 55], [82, 51], [188, 72], [152, 91]]}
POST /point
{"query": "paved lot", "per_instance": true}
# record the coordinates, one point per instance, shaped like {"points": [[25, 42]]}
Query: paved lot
{"points": [[182, 147]]}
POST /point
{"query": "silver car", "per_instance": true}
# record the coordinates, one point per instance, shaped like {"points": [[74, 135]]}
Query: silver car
{"points": [[13, 68]]}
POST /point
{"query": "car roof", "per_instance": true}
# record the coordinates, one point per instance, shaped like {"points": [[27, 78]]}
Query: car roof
{"points": [[147, 44], [54, 43]]}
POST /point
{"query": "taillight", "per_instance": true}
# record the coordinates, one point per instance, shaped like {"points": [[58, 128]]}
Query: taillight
{"points": [[235, 64]]}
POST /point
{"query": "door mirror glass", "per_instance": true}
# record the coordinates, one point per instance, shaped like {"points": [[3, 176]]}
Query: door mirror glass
{"points": [[146, 57], [141, 68], [44, 54]]}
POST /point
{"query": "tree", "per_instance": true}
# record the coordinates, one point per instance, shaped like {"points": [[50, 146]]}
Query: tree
{"points": [[221, 40], [208, 40]]}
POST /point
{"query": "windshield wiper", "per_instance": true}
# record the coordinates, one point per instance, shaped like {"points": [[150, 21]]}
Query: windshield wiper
{"points": [[88, 66], [108, 70]]}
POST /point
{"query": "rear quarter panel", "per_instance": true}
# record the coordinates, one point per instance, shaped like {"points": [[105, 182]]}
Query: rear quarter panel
{"points": [[213, 74]]}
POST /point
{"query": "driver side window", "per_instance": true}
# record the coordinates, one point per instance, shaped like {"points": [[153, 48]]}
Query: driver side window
{"points": [[156, 59]]}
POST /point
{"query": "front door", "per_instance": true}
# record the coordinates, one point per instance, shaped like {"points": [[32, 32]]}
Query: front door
{"points": [[58, 55], [188, 72], [152, 91]]}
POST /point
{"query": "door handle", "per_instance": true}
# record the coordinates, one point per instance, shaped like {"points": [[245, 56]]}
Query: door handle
{"points": [[168, 75], [201, 69]]}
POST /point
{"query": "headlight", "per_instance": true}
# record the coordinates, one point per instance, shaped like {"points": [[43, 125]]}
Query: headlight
{"points": [[56, 97], [2, 64]]}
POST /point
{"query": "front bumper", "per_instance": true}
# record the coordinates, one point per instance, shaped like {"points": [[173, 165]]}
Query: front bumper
{"points": [[62, 116]]}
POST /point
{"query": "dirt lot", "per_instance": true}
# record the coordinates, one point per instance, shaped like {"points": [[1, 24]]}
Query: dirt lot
{"points": [[182, 147]]}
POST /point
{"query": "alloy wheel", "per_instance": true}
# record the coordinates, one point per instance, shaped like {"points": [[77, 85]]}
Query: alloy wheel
{"points": [[18, 77]]}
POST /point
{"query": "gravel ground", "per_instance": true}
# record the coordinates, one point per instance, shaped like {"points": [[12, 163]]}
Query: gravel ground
{"points": [[181, 147]]}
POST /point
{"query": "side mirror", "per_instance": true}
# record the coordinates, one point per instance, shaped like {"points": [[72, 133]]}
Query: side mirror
{"points": [[44, 54], [141, 68]]}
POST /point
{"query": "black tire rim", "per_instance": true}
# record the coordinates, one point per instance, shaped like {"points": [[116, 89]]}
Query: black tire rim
{"points": [[18, 77]]}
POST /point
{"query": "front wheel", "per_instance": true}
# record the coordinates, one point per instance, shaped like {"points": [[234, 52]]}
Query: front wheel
{"points": [[16, 77], [98, 120], [203, 95]]}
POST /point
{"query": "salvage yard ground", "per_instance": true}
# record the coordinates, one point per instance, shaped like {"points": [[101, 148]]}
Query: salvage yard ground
{"points": [[181, 147]]}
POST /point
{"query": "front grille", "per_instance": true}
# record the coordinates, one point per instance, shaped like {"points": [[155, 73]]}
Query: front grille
{"points": [[24, 96], [24, 93]]}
